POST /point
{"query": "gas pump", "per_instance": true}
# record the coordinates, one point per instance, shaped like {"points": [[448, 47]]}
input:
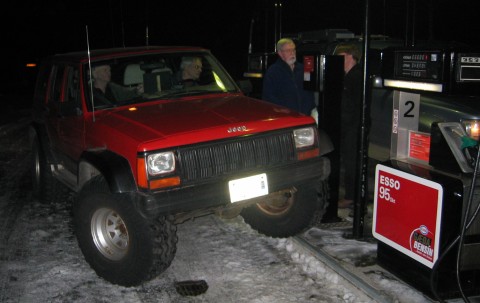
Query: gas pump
{"points": [[426, 195]]}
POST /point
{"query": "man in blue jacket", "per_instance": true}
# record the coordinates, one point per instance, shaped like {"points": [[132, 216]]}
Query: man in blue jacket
{"points": [[283, 81]]}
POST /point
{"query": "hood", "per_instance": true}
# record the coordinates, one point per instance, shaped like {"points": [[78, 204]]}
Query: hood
{"points": [[180, 122]]}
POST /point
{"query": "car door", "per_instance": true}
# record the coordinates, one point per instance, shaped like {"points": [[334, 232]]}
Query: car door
{"points": [[64, 117], [70, 122], [51, 109]]}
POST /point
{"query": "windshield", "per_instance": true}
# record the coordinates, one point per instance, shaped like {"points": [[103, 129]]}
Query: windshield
{"points": [[137, 79]]}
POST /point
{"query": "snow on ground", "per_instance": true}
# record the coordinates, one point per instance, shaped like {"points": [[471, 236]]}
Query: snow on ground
{"points": [[40, 260], [359, 257]]}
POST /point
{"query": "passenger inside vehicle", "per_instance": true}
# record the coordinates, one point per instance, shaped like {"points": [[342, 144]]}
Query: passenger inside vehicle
{"points": [[106, 92], [145, 77]]}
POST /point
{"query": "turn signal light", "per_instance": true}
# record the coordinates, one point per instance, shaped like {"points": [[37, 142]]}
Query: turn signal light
{"points": [[166, 182], [142, 179], [307, 154]]}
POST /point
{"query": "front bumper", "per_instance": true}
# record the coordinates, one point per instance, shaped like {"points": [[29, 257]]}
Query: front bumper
{"points": [[215, 192]]}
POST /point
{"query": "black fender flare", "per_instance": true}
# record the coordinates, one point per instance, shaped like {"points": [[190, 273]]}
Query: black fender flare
{"points": [[113, 167], [324, 142]]}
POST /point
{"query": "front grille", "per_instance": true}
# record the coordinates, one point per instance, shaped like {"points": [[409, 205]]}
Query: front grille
{"points": [[236, 155]]}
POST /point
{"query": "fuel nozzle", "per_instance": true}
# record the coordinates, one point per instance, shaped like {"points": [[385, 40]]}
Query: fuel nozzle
{"points": [[470, 149]]}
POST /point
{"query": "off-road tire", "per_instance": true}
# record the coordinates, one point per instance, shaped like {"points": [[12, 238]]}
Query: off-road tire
{"points": [[297, 214], [121, 246], [45, 187]]}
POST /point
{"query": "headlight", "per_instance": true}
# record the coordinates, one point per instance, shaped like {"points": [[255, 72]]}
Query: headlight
{"points": [[472, 127], [160, 163], [304, 137]]}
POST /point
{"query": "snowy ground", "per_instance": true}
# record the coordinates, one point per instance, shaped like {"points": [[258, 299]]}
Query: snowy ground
{"points": [[41, 262]]}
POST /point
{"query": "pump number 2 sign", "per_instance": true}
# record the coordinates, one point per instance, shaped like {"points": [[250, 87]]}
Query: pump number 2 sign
{"points": [[407, 213]]}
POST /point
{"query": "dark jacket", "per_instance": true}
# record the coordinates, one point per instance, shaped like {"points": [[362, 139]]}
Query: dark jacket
{"points": [[350, 126], [179, 81], [352, 98], [284, 87]]}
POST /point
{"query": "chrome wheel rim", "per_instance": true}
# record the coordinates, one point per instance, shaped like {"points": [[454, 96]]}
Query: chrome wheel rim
{"points": [[109, 234]]}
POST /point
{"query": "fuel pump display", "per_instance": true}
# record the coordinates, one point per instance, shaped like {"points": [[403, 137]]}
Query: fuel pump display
{"points": [[450, 71], [419, 65], [427, 190]]}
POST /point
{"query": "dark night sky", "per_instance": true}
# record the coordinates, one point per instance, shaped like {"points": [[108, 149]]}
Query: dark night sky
{"points": [[41, 28]]}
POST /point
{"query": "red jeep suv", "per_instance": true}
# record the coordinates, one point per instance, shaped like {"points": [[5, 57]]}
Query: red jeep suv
{"points": [[150, 137]]}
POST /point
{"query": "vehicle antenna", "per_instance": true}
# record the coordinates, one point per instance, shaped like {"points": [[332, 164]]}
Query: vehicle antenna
{"points": [[146, 35], [250, 36], [90, 74], [123, 34], [146, 23], [123, 23]]}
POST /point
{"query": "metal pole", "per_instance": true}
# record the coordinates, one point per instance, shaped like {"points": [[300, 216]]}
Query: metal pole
{"points": [[361, 185], [250, 36], [414, 8], [407, 25], [275, 27], [280, 21]]}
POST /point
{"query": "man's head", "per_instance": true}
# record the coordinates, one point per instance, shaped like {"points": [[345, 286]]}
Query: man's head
{"points": [[286, 51], [351, 54], [191, 68], [102, 73]]}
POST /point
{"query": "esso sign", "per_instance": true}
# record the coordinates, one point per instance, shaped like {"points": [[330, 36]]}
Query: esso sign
{"points": [[390, 182], [400, 221]]}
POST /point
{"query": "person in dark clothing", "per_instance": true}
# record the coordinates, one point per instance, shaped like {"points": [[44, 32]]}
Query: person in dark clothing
{"points": [[351, 108], [105, 92], [283, 81], [102, 91]]}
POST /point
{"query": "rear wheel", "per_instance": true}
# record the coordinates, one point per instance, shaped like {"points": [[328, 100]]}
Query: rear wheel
{"points": [[289, 216], [45, 187], [119, 244]]}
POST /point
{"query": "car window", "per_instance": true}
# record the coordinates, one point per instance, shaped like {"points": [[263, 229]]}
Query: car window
{"points": [[56, 84], [136, 79], [41, 86], [71, 104], [73, 87]]}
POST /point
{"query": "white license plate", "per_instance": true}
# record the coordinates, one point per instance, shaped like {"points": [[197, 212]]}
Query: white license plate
{"points": [[247, 188]]}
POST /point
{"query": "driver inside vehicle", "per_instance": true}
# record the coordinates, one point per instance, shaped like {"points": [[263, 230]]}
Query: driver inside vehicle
{"points": [[190, 71], [107, 92]]}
